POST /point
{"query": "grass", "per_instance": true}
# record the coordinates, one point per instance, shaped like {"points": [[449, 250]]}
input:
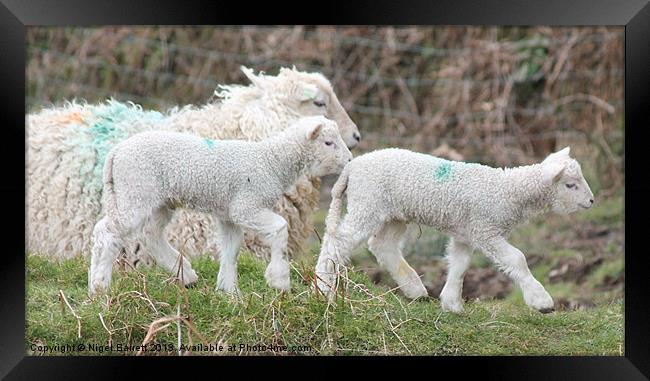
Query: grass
{"points": [[370, 320]]}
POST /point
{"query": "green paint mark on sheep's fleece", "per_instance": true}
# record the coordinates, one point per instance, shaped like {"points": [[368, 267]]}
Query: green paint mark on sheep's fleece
{"points": [[209, 142], [113, 123], [443, 172]]}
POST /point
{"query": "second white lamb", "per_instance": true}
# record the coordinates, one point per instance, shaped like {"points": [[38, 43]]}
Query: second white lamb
{"points": [[150, 174], [477, 205]]}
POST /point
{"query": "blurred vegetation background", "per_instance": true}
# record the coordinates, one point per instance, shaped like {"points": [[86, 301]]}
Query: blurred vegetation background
{"points": [[502, 96]]}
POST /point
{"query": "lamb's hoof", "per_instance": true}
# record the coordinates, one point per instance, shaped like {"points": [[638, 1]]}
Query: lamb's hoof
{"points": [[190, 285], [279, 283], [540, 300], [325, 289], [451, 301], [94, 292], [277, 275], [97, 287], [232, 291], [189, 277], [454, 306], [414, 293], [329, 294], [226, 285], [456, 309]]}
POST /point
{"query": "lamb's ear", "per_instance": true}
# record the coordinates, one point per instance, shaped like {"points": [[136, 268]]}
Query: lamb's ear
{"points": [[314, 131], [552, 171], [563, 153]]}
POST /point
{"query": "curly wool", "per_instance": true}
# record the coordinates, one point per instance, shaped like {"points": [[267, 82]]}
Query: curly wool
{"points": [[67, 146], [171, 169], [477, 205], [470, 200], [237, 182]]}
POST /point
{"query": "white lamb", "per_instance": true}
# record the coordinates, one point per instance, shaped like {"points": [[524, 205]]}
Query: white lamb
{"points": [[150, 174], [67, 147], [477, 205]]}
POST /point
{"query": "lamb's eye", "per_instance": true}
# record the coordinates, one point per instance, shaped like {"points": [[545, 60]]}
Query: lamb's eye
{"points": [[329, 143], [571, 186], [319, 103]]}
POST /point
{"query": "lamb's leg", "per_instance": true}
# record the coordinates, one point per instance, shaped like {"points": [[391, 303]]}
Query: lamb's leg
{"points": [[459, 256], [272, 230], [386, 246], [513, 262], [336, 249], [137, 257], [106, 247], [229, 238], [164, 254]]}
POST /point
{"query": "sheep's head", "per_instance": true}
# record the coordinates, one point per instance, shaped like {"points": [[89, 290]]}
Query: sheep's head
{"points": [[327, 152], [309, 94], [571, 191]]}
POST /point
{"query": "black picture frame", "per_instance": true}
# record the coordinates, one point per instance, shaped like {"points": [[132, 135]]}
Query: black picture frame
{"points": [[15, 15]]}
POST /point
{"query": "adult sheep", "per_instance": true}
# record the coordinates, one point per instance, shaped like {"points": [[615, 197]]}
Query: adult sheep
{"points": [[67, 147]]}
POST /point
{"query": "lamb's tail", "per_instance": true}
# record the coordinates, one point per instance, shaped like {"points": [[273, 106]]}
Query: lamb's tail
{"points": [[338, 190], [110, 202]]}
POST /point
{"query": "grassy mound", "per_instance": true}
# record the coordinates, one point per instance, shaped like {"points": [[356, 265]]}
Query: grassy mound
{"points": [[149, 307]]}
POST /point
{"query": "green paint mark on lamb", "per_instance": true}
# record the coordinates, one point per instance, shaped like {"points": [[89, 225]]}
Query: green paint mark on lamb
{"points": [[443, 172], [209, 142]]}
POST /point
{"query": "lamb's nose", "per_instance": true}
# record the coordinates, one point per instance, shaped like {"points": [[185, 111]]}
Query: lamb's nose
{"points": [[356, 136], [591, 200]]}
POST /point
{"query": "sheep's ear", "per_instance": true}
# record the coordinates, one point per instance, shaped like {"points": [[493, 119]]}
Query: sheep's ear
{"points": [[552, 172], [288, 70], [563, 153], [248, 72], [314, 131], [308, 92]]}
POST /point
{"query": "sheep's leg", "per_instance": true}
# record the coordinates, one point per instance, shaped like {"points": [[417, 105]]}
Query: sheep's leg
{"points": [[229, 238], [386, 246], [106, 247], [163, 253], [513, 262], [459, 256], [272, 229], [336, 250]]}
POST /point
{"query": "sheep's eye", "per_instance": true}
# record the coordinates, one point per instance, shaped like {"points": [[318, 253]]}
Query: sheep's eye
{"points": [[319, 103], [571, 186], [329, 143]]}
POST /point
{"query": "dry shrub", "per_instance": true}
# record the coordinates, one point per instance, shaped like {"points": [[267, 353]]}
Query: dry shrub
{"points": [[499, 95]]}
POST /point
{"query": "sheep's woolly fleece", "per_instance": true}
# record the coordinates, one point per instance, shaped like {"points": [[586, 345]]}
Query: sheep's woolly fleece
{"points": [[67, 146]]}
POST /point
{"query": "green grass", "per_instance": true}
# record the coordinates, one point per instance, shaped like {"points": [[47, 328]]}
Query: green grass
{"points": [[370, 320]]}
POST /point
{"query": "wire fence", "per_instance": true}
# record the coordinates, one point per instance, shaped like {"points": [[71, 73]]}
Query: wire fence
{"points": [[499, 95]]}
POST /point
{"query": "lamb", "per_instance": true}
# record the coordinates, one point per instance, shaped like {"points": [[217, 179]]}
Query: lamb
{"points": [[67, 147], [238, 182], [477, 205]]}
